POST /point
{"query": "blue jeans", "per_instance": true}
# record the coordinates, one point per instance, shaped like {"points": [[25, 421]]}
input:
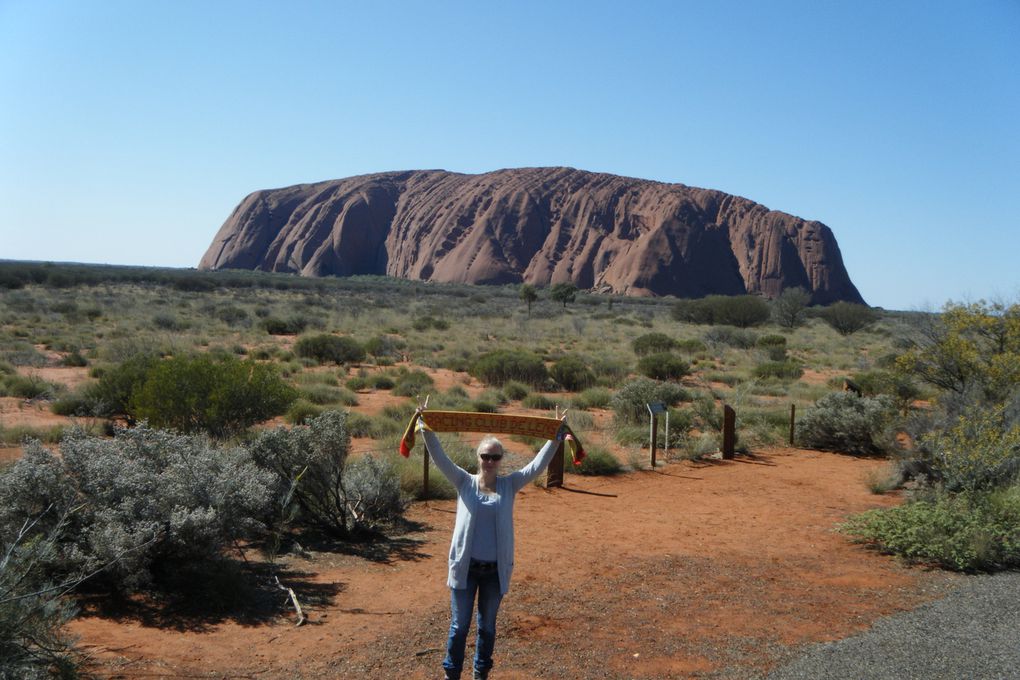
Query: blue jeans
{"points": [[462, 601]]}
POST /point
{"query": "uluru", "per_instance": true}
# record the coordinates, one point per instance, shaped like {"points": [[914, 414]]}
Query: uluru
{"points": [[540, 226]]}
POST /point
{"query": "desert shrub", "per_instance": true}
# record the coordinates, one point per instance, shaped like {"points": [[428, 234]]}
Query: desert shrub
{"points": [[385, 347], [291, 326], [771, 340], [563, 293], [413, 384], [515, 390], [168, 322], [790, 308], [732, 337], [233, 316], [325, 348], [572, 373], [652, 343], [331, 492], [691, 346], [501, 366], [111, 395], [610, 370], [301, 411], [72, 405], [732, 310], [217, 395], [965, 532], [597, 461], [630, 401], [23, 355], [898, 386], [539, 401], [844, 422], [146, 504], [790, 369], [75, 359], [33, 611], [593, 397], [28, 387], [424, 323], [978, 450], [328, 394], [847, 318], [482, 405], [663, 366]]}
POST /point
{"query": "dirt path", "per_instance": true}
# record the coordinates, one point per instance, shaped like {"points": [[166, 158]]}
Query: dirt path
{"points": [[716, 570]]}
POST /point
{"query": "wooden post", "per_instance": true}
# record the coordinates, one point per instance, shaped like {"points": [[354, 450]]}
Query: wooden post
{"points": [[793, 419], [654, 409], [554, 473], [651, 437], [729, 438]]}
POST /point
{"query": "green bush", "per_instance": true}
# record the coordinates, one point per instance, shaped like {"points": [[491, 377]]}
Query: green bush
{"points": [[385, 347], [732, 310], [328, 394], [965, 532], [217, 395], [663, 366], [790, 307], [325, 348], [844, 422], [652, 343], [848, 318], [593, 397], [111, 395], [75, 359], [515, 390], [301, 411], [597, 461], [539, 401], [413, 384], [789, 369], [630, 401], [691, 346], [292, 326], [502, 366], [572, 373], [977, 450]]}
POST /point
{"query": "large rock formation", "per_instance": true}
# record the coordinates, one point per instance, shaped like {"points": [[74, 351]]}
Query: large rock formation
{"points": [[535, 225]]}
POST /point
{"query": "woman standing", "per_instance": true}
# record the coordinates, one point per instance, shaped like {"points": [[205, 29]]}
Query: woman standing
{"points": [[482, 549]]}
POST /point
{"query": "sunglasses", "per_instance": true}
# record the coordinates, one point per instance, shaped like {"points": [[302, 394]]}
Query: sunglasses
{"points": [[489, 457]]}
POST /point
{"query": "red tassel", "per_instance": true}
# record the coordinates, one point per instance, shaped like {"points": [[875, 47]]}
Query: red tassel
{"points": [[405, 450]]}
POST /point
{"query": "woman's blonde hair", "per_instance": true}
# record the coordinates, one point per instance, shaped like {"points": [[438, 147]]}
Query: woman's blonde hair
{"points": [[489, 443]]}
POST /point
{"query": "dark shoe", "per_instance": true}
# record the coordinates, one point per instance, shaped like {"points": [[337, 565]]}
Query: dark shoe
{"points": [[481, 675]]}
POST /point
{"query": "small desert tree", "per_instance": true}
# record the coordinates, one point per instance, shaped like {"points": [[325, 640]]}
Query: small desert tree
{"points": [[528, 295], [848, 318], [789, 309], [563, 293]]}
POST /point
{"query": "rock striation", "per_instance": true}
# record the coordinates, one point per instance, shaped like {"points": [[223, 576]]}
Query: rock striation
{"points": [[533, 225]]}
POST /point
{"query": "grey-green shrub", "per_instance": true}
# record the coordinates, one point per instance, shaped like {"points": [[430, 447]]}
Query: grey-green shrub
{"points": [[789, 369], [732, 337], [597, 461], [630, 401], [663, 366], [844, 422], [332, 493], [144, 504]]}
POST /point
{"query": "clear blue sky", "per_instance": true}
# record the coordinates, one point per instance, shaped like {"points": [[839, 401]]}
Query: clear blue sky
{"points": [[130, 129]]}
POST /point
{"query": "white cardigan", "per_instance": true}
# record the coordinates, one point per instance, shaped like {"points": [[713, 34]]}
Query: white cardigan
{"points": [[466, 484]]}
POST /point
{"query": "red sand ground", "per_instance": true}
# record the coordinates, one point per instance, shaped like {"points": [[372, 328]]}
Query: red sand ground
{"points": [[714, 569], [708, 570]]}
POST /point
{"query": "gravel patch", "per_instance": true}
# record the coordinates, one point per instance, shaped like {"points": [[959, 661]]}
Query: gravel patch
{"points": [[974, 632]]}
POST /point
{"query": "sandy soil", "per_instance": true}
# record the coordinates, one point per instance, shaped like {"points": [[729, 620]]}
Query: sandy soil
{"points": [[708, 570], [714, 570]]}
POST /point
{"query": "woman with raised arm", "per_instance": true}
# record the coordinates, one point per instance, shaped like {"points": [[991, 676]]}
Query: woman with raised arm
{"points": [[482, 549]]}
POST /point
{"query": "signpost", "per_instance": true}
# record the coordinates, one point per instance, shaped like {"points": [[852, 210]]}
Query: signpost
{"points": [[654, 409]]}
